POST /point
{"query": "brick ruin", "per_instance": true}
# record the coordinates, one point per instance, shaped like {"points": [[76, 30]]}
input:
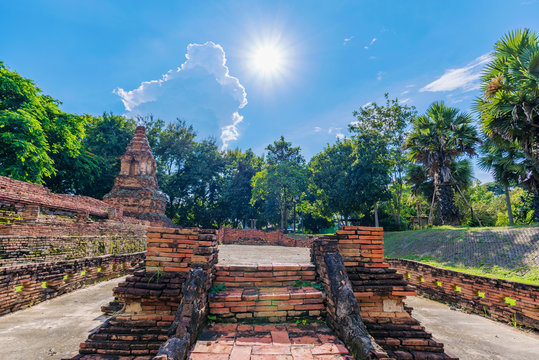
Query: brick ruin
{"points": [[349, 286], [229, 235], [135, 188], [54, 243], [502, 300]]}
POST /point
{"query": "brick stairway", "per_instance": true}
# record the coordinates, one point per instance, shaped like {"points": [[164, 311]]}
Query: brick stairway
{"points": [[266, 292], [313, 341]]}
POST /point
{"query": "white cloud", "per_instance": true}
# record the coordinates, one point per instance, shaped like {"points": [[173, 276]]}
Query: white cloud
{"points": [[405, 92], [200, 90], [404, 101], [230, 132], [410, 85], [347, 40], [465, 78], [339, 136], [379, 76], [366, 47], [317, 129]]}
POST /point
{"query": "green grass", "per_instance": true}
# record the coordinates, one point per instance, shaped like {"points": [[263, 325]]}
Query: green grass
{"points": [[478, 251], [531, 276]]}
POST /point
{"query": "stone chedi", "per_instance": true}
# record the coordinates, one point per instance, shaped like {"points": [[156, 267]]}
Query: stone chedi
{"points": [[135, 188]]}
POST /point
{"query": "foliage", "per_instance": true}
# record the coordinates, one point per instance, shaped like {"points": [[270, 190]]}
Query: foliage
{"points": [[509, 107], [217, 288], [283, 178], [389, 121], [437, 140], [33, 130]]}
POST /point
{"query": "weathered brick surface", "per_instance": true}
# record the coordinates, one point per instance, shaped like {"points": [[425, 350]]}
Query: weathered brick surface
{"points": [[153, 298], [499, 299], [25, 285], [178, 250], [270, 304], [21, 194], [263, 275], [229, 235], [63, 241], [342, 308], [135, 188], [380, 291]]}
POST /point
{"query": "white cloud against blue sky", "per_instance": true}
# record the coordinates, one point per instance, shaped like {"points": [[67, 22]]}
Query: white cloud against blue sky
{"points": [[200, 91], [333, 58]]}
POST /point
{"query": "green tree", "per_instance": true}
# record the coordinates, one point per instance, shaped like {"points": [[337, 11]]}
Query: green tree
{"points": [[349, 177], [390, 122], [240, 168], [506, 166], [283, 178], [438, 138], [509, 107], [33, 130]]}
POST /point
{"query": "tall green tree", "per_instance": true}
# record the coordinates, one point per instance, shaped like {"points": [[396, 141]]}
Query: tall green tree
{"points": [[437, 139], [240, 168], [390, 122], [509, 107], [33, 130], [506, 165], [282, 179]]}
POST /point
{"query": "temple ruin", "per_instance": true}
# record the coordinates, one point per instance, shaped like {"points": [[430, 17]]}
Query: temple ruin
{"points": [[135, 188]]}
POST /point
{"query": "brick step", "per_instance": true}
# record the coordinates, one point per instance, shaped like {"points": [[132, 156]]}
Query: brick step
{"points": [[270, 304], [395, 327], [134, 336], [408, 333], [263, 275]]}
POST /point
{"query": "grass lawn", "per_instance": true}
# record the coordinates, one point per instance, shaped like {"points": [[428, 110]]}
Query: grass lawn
{"points": [[503, 253]]}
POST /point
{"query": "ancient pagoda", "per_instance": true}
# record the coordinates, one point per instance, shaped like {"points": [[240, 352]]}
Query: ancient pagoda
{"points": [[135, 188]]}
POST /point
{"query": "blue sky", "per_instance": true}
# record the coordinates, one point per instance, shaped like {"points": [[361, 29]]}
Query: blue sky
{"points": [[129, 57]]}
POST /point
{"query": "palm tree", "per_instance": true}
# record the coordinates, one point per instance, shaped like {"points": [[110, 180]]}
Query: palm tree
{"points": [[438, 138], [506, 165], [509, 107]]}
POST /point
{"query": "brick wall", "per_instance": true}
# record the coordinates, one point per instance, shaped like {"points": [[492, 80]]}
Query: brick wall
{"points": [[342, 308], [171, 249], [61, 241], [499, 299], [152, 297], [380, 292], [25, 285], [23, 193], [228, 235]]}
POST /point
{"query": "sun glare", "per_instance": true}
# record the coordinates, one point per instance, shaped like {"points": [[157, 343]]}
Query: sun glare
{"points": [[267, 60]]}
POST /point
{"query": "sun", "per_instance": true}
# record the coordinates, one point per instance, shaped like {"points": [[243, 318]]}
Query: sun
{"points": [[267, 60]]}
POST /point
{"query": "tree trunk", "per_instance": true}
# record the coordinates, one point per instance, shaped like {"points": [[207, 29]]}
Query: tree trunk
{"points": [[448, 212], [509, 209], [470, 206], [376, 223], [432, 205], [536, 206]]}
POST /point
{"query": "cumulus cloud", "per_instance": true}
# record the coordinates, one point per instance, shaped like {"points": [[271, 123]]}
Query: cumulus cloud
{"points": [[200, 90], [379, 75], [339, 136], [317, 129], [404, 101], [465, 78], [366, 47]]}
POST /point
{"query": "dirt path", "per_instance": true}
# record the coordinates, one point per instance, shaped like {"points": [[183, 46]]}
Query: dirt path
{"points": [[472, 337], [53, 329]]}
